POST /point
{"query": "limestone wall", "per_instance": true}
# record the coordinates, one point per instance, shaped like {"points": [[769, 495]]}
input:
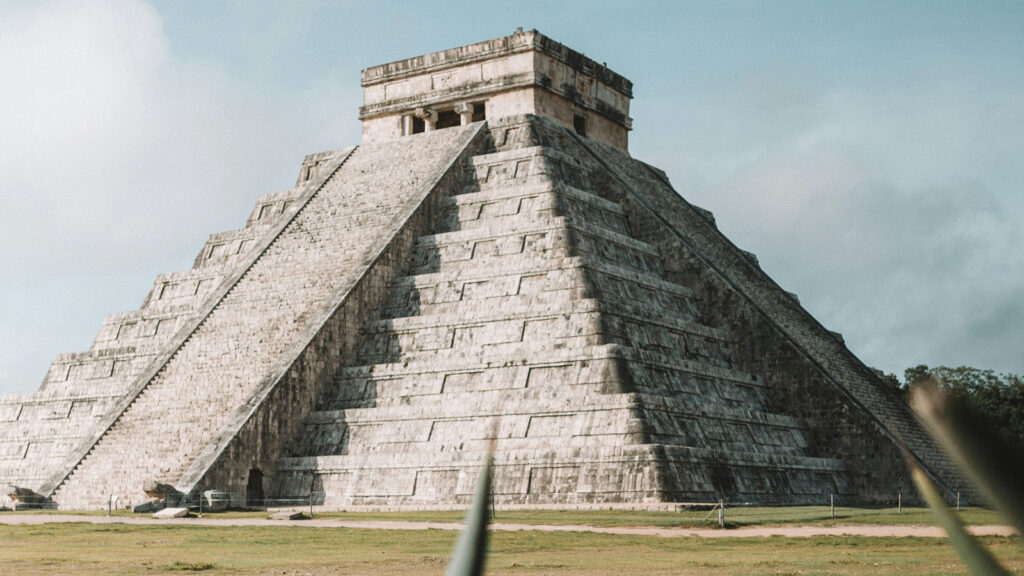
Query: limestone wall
{"points": [[261, 427], [811, 373], [533, 316], [369, 333], [253, 327], [40, 431], [525, 73]]}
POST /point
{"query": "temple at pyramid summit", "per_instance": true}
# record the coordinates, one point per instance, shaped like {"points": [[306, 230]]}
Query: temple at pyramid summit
{"points": [[488, 265]]}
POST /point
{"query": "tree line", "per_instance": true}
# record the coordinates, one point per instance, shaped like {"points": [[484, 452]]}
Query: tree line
{"points": [[997, 397]]}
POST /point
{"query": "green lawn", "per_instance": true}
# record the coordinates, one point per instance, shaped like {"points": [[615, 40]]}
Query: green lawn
{"points": [[119, 549], [739, 516], [736, 516]]}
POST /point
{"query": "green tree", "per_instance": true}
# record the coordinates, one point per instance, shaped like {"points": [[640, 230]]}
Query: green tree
{"points": [[891, 381], [916, 374], [999, 397]]}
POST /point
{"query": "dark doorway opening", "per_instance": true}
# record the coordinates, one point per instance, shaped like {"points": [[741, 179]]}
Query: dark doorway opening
{"points": [[418, 125], [447, 119], [579, 124], [254, 489], [479, 111]]}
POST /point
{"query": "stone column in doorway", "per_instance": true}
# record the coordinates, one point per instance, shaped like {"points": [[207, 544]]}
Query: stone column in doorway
{"points": [[429, 118], [465, 112]]}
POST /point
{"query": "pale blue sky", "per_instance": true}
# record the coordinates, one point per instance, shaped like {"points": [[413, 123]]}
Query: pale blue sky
{"points": [[870, 153]]}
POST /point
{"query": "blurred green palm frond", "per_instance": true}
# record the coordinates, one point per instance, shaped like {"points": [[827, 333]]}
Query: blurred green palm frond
{"points": [[994, 463], [471, 549]]}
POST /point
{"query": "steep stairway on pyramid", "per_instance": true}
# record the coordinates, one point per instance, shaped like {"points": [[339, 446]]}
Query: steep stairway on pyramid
{"points": [[40, 431], [533, 316], [811, 374], [489, 266], [254, 319]]}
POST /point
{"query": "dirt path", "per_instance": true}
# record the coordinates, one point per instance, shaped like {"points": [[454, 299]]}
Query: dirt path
{"points": [[897, 531]]}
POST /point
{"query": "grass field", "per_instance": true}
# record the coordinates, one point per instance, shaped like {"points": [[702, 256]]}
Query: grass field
{"points": [[119, 549], [735, 516], [738, 516]]}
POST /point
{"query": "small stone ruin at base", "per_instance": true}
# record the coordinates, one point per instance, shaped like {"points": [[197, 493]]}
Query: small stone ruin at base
{"points": [[489, 262]]}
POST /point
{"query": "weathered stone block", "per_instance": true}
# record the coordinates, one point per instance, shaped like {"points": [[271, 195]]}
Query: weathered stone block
{"points": [[167, 513]]}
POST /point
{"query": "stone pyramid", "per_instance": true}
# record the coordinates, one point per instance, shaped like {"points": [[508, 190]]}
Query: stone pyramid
{"points": [[490, 263]]}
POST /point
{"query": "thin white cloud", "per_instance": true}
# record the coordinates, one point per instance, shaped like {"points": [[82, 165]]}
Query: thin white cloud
{"points": [[116, 160], [888, 201], [909, 276], [893, 210]]}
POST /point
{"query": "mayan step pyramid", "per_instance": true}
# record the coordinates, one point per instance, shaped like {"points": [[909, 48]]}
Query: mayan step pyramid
{"points": [[489, 264]]}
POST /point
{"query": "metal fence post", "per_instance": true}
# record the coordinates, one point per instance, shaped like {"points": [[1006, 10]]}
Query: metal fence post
{"points": [[832, 506], [721, 514], [899, 502], [958, 500]]}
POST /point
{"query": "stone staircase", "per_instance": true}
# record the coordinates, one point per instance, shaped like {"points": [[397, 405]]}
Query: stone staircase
{"points": [[253, 319], [368, 334], [693, 230], [533, 317], [40, 431]]}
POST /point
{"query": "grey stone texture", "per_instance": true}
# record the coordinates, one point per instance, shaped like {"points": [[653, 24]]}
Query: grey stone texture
{"points": [[368, 333], [552, 302], [167, 513]]}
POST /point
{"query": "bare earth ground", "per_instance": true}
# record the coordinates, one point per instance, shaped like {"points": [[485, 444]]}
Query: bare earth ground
{"points": [[893, 531]]}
